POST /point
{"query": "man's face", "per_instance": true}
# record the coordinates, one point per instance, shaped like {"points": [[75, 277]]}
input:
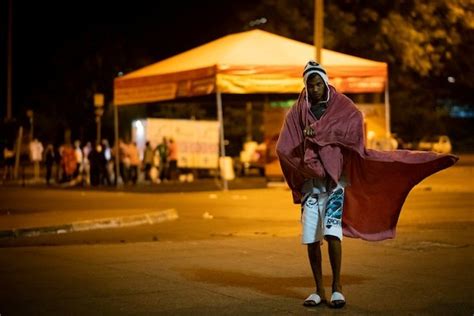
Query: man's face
{"points": [[316, 88]]}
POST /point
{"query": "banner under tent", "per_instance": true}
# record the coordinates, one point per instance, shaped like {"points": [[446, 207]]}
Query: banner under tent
{"points": [[249, 62]]}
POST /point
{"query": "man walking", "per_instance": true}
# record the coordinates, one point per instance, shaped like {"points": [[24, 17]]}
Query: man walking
{"points": [[343, 187]]}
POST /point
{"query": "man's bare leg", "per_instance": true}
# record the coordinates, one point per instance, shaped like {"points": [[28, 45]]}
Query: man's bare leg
{"points": [[314, 255], [335, 257]]}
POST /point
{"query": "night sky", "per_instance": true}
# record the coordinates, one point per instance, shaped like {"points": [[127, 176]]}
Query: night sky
{"points": [[53, 39], [64, 51]]}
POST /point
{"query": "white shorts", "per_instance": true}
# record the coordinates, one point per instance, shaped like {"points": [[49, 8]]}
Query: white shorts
{"points": [[322, 215]]}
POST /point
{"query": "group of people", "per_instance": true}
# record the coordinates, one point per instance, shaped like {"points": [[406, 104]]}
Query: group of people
{"points": [[94, 164], [161, 163], [90, 164]]}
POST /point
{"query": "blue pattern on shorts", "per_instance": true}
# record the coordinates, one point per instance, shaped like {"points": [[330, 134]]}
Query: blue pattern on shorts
{"points": [[335, 203]]}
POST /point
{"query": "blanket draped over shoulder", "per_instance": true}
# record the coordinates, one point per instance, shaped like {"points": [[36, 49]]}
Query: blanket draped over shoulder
{"points": [[378, 181]]}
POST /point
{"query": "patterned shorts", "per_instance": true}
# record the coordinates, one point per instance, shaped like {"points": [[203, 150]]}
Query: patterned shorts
{"points": [[322, 215]]}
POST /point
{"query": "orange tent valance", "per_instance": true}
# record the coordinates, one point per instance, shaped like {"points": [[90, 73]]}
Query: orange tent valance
{"points": [[248, 62]]}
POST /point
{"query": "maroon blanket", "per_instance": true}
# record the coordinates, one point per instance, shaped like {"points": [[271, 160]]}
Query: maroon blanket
{"points": [[379, 181]]}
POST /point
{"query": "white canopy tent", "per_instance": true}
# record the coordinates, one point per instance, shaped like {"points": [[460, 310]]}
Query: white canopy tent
{"points": [[249, 62]]}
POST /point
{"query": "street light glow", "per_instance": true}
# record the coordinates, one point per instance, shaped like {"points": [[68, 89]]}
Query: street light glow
{"points": [[259, 21]]}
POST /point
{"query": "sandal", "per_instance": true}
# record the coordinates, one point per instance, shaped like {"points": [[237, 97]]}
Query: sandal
{"points": [[337, 300], [312, 300]]}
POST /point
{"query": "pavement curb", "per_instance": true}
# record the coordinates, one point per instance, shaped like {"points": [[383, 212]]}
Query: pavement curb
{"points": [[94, 224]]}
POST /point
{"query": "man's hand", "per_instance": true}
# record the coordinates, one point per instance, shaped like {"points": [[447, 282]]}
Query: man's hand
{"points": [[308, 131]]}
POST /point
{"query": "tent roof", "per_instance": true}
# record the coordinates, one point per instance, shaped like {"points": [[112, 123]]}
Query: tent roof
{"points": [[248, 62], [251, 48]]}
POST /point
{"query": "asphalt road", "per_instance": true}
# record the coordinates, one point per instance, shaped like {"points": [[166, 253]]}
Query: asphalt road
{"points": [[443, 199], [247, 259]]}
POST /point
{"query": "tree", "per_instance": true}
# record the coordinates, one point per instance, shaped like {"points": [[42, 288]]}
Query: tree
{"points": [[424, 43]]}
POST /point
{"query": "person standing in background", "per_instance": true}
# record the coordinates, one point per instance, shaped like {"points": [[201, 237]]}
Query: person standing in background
{"points": [[124, 161], [173, 160], [9, 159], [86, 164], [79, 159], [162, 150], [109, 165], [134, 161], [36, 156], [58, 172], [94, 165], [68, 162], [49, 159], [147, 160]]}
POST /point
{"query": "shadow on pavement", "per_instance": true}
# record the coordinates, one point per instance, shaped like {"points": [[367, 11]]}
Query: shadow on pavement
{"points": [[281, 286]]}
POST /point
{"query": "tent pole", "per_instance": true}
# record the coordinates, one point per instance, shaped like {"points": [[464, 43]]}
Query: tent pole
{"points": [[387, 109], [116, 144], [220, 117], [17, 152]]}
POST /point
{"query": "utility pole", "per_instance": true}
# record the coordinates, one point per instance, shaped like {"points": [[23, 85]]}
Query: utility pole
{"points": [[116, 144], [318, 29], [9, 61]]}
